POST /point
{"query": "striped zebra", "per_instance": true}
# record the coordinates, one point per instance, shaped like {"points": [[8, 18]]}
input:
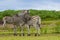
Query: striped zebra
{"points": [[35, 22], [21, 20], [17, 20]]}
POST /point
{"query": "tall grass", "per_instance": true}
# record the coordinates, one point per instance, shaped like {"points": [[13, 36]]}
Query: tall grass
{"points": [[48, 27]]}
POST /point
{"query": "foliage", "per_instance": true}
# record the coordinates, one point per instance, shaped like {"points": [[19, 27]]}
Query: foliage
{"points": [[8, 13], [44, 14]]}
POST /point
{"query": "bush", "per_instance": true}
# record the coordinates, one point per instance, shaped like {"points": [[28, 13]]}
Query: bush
{"points": [[44, 14]]}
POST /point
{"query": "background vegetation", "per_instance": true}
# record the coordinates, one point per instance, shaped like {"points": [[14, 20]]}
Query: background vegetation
{"points": [[44, 14], [50, 20]]}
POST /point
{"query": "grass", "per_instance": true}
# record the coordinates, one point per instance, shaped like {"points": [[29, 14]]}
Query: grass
{"points": [[48, 30], [47, 27], [42, 37]]}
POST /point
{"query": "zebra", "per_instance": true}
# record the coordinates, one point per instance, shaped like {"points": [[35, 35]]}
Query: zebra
{"points": [[35, 21], [17, 20], [21, 20]]}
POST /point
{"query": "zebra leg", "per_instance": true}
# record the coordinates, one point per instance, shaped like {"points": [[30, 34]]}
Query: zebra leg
{"points": [[22, 33], [37, 30], [36, 27], [15, 30], [28, 27], [4, 23]]}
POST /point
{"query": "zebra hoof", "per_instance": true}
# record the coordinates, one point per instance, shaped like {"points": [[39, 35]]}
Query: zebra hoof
{"points": [[28, 34], [36, 34], [21, 34], [15, 34]]}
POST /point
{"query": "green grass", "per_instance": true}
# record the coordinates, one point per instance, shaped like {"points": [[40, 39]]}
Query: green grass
{"points": [[48, 32], [47, 27], [42, 37]]}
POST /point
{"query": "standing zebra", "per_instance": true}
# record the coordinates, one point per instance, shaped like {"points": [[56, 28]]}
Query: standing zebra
{"points": [[22, 19], [35, 21], [17, 20]]}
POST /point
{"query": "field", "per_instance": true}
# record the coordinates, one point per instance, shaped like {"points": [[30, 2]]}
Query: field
{"points": [[50, 30], [47, 27], [42, 37]]}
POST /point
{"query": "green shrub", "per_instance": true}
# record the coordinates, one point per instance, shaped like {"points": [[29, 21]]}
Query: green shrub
{"points": [[44, 14]]}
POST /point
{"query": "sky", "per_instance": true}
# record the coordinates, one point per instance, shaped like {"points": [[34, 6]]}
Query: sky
{"points": [[29, 4]]}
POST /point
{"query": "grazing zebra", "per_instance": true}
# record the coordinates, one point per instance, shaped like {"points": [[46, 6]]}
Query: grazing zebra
{"points": [[35, 21]]}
